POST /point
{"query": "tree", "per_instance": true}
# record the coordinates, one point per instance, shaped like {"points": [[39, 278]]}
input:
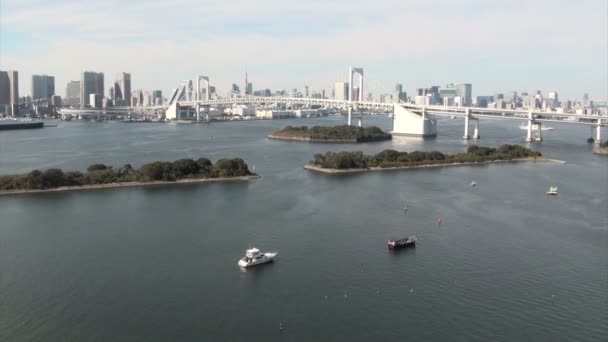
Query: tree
{"points": [[205, 166], [231, 167], [185, 167], [52, 178], [96, 167], [33, 180]]}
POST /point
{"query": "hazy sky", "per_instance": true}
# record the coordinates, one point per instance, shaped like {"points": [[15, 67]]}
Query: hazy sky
{"points": [[495, 45]]}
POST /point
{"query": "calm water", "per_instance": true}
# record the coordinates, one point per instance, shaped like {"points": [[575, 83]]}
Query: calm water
{"points": [[159, 264]]}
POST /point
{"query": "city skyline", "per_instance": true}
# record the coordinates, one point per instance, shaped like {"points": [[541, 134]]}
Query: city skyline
{"points": [[498, 48]]}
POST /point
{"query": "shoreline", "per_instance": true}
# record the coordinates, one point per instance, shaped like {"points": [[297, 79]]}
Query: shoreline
{"points": [[129, 185], [601, 150], [328, 141], [376, 168]]}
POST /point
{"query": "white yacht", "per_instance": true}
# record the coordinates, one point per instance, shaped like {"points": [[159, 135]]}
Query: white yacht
{"points": [[254, 257]]}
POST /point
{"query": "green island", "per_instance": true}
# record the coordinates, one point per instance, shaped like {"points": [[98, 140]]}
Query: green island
{"points": [[335, 134], [100, 176], [346, 162], [602, 149]]}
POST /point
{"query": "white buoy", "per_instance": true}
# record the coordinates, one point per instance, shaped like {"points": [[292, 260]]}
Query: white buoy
{"points": [[411, 290]]}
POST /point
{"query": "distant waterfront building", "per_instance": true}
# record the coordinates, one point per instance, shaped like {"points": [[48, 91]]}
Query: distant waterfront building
{"points": [[386, 98], [483, 101], [43, 86], [465, 91], [4, 88], [400, 95], [235, 90], [9, 91], [72, 94], [447, 94], [341, 91], [90, 83], [56, 101], [157, 97], [122, 87], [356, 94], [95, 100], [9, 87], [249, 89]]}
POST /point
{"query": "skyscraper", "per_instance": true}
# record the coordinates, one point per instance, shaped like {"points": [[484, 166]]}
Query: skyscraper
{"points": [[157, 97], [400, 95], [9, 90], [341, 91], [72, 93], [90, 83], [4, 88], [122, 87], [43, 86], [464, 90]]}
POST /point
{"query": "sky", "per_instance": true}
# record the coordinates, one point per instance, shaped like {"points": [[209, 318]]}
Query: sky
{"points": [[498, 46]]}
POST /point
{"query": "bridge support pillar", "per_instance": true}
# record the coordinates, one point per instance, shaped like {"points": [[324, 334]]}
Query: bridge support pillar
{"points": [[529, 134], [598, 132], [350, 115], [198, 112], [466, 125], [539, 136], [476, 131]]}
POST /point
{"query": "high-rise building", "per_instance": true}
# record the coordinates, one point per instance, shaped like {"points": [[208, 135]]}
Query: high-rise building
{"points": [[90, 83], [447, 92], [356, 94], [585, 99], [122, 87], [249, 90], [465, 91], [9, 90], [157, 97], [95, 100], [341, 91], [72, 94], [43, 86], [4, 88], [400, 95], [13, 80]]}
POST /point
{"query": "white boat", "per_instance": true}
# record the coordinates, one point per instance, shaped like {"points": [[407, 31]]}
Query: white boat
{"points": [[552, 191], [254, 257], [535, 128], [473, 183]]}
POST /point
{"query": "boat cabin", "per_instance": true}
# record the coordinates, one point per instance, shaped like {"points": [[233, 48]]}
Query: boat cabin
{"points": [[252, 253]]}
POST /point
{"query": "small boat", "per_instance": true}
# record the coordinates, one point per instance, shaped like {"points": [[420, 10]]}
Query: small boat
{"points": [[409, 241], [254, 257], [552, 191], [473, 183]]}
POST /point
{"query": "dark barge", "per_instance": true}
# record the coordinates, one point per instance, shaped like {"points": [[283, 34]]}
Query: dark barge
{"points": [[409, 241]]}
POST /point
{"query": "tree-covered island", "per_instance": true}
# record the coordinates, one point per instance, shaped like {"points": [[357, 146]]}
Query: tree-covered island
{"points": [[103, 176], [335, 134], [390, 159]]}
